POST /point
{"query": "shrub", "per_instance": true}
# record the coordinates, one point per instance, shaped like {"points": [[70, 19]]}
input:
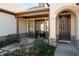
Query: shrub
{"points": [[9, 40], [2, 43], [18, 52], [12, 38], [43, 48]]}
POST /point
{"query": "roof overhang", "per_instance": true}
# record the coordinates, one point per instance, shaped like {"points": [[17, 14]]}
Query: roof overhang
{"points": [[6, 11], [34, 12], [29, 13]]}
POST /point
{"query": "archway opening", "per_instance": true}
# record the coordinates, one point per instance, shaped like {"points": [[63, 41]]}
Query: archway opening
{"points": [[65, 25]]}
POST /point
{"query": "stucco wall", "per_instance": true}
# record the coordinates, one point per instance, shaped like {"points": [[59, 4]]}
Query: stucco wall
{"points": [[7, 24], [22, 25], [73, 25]]}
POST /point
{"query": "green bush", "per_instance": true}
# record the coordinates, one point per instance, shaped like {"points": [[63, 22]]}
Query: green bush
{"points": [[43, 48], [18, 52], [12, 38], [2, 43], [9, 40]]}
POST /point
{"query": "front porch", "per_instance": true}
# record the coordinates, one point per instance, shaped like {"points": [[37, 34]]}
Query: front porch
{"points": [[33, 25]]}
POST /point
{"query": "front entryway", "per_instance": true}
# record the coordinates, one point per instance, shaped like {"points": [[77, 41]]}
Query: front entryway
{"points": [[64, 27], [39, 25], [41, 28]]}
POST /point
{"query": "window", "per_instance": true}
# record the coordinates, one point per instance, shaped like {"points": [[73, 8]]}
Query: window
{"points": [[30, 25]]}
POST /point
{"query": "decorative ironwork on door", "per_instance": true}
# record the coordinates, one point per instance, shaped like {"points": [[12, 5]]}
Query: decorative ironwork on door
{"points": [[64, 27]]}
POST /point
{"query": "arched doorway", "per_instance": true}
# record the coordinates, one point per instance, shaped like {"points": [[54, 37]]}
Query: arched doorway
{"points": [[65, 25]]}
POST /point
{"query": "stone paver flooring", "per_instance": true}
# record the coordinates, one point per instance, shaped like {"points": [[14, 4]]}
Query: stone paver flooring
{"points": [[66, 49]]}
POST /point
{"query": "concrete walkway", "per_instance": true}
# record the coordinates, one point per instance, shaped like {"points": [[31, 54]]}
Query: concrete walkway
{"points": [[66, 49]]}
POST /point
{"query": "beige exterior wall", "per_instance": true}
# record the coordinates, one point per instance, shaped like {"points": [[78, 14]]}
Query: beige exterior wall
{"points": [[22, 25], [7, 24], [73, 24]]}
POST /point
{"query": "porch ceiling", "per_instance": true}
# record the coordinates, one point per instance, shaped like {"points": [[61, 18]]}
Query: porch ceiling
{"points": [[34, 13]]}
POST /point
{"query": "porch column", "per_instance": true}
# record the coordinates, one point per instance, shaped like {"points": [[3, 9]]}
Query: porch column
{"points": [[27, 27], [17, 29], [77, 31], [45, 25], [52, 27], [52, 30], [33, 26]]}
